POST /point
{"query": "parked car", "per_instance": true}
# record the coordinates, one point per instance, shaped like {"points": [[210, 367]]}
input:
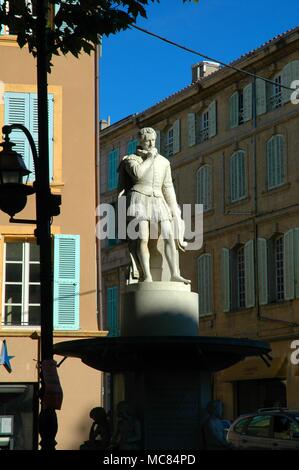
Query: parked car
{"points": [[268, 428]]}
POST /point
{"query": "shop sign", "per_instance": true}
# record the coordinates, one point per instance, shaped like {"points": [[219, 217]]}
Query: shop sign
{"points": [[5, 358]]}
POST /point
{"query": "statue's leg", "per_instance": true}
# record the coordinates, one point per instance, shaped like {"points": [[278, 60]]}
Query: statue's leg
{"points": [[171, 252], [143, 251]]}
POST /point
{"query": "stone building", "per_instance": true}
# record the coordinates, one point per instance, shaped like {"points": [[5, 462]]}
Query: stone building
{"points": [[73, 152], [233, 143]]}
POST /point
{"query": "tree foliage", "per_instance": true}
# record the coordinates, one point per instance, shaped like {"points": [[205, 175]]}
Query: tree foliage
{"points": [[74, 26]]}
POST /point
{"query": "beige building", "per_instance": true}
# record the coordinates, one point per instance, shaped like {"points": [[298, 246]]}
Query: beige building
{"points": [[233, 145], [73, 155]]}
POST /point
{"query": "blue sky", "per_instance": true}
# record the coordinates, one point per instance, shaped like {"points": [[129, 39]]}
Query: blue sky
{"points": [[136, 70]]}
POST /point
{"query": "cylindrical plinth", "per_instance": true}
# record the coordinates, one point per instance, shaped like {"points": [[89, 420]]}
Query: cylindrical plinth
{"points": [[159, 309]]}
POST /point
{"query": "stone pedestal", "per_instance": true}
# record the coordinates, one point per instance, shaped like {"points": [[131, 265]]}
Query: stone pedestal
{"points": [[159, 309]]}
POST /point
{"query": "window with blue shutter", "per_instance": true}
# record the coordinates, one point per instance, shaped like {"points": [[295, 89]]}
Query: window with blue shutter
{"points": [[21, 108], [66, 282], [275, 161], [205, 282], [112, 311], [237, 176], [113, 159], [204, 187]]}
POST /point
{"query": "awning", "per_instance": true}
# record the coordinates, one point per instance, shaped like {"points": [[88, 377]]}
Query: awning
{"points": [[254, 368]]}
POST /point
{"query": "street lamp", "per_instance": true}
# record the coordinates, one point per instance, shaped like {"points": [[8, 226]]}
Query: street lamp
{"points": [[13, 198]]}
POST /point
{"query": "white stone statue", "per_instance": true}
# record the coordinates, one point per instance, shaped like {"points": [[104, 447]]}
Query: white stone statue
{"points": [[145, 179]]}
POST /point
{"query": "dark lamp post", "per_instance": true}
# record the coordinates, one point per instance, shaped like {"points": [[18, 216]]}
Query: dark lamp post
{"points": [[13, 193]]}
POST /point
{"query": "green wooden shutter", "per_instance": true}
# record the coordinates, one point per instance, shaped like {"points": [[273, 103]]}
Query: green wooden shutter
{"points": [[225, 274], [249, 274], [112, 311], [234, 110], [262, 271], [238, 176], [247, 100], [233, 178], [275, 161], [17, 111], [176, 136], [289, 265], [66, 282], [212, 110], [261, 97], [204, 189], [158, 140], [205, 284], [113, 158], [191, 130]]}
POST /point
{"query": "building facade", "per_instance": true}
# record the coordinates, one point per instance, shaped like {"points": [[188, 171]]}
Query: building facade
{"points": [[233, 145], [73, 160]]}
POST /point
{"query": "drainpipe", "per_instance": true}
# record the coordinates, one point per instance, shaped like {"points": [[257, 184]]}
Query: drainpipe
{"points": [[97, 189]]}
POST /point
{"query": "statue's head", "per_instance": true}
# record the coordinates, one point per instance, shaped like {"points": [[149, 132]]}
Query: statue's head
{"points": [[147, 137], [214, 408]]}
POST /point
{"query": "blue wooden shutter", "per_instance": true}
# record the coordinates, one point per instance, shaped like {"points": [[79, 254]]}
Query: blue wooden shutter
{"points": [[286, 80], [275, 161], [261, 96], [212, 110], [225, 279], [289, 265], [17, 111], [249, 274], [262, 271], [247, 100], [234, 110], [66, 282], [176, 137], [205, 284], [132, 146], [191, 129], [112, 311], [34, 131], [112, 169]]}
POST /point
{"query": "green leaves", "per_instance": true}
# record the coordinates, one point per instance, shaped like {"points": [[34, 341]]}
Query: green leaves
{"points": [[74, 26]]}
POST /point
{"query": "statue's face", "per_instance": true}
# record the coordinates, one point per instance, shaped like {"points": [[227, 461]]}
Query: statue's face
{"points": [[148, 142]]}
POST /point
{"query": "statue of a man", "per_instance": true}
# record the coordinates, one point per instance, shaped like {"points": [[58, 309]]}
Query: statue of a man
{"points": [[146, 179]]}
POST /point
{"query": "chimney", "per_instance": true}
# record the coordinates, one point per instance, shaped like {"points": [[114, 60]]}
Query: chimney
{"points": [[203, 69], [104, 123]]}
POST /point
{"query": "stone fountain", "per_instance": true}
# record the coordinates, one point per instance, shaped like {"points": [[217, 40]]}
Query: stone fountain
{"points": [[166, 366]]}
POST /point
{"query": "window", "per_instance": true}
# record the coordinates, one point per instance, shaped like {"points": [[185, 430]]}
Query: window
{"points": [[173, 139], [204, 187], [240, 106], [259, 426], [204, 131], [241, 425], [21, 108], [275, 92], [241, 277], [238, 277], [203, 126], [237, 176], [112, 310], [113, 160], [21, 284], [205, 282], [284, 428], [275, 161]]}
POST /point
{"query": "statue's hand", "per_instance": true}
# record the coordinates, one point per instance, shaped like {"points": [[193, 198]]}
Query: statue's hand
{"points": [[152, 153]]}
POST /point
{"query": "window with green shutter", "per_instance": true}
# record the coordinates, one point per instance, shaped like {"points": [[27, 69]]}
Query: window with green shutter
{"points": [[204, 187], [275, 161], [113, 161], [66, 291], [238, 186], [112, 310], [21, 108], [205, 284]]}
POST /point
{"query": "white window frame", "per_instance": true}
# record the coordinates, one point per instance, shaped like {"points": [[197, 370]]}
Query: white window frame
{"points": [[241, 278], [25, 286], [204, 126], [275, 98], [279, 269]]}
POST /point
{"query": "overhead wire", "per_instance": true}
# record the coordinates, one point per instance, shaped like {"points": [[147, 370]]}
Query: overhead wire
{"points": [[233, 67]]}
